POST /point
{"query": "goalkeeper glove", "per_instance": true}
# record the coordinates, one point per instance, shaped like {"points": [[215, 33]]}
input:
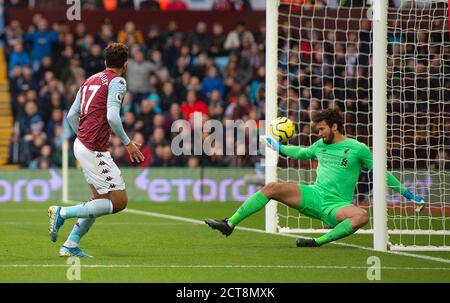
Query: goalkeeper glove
{"points": [[412, 197], [272, 143], [415, 198]]}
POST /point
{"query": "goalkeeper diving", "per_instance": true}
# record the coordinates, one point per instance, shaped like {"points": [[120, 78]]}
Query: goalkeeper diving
{"points": [[329, 199]]}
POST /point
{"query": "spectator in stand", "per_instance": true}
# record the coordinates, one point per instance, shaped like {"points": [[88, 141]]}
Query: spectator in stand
{"points": [[31, 119], [236, 5], [51, 96], [215, 105], [18, 57], [199, 37], [196, 86], [35, 142], [23, 80], [172, 52], [241, 109], [94, 62], [193, 105], [158, 138], [217, 41], [125, 4], [45, 161], [193, 162], [15, 3], [45, 68], [173, 5], [164, 156], [62, 64], [155, 101], [168, 96], [235, 37], [200, 66], [216, 158], [130, 30], [106, 34], [442, 161], [173, 115], [18, 151], [260, 35], [256, 84], [14, 34], [42, 39], [145, 118], [154, 40], [222, 5], [85, 43], [240, 5], [91, 4], [157, 60], [150, 4], [212, 81], [80, 32], [254, 56], [19, 106], [137, 74], [56, 119], [234, 89]]}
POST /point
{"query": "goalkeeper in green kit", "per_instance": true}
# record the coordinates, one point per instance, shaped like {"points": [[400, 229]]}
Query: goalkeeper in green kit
{"points": [[329, 199]]}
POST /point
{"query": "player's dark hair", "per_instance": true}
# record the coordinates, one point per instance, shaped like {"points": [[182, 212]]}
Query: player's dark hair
{"points": [[116, 54], [330, 116]]}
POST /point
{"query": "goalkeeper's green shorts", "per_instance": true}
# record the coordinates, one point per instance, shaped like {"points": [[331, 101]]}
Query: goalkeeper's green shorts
{"points": [[316, 203]]}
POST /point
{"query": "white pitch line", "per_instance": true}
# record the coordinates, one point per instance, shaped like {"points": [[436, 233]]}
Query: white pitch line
{"points": [[96, 224], [22, 210], [221, 266], [194, 221]]}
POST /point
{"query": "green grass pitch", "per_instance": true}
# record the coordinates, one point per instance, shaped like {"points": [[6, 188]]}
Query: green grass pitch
{"points": [[138, 247]]}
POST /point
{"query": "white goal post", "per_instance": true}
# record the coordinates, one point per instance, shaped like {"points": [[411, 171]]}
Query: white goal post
{"points": [[394, 100]]}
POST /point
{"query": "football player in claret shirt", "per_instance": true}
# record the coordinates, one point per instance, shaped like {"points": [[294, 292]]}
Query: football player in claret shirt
{"points": [[340, 160], [94, 113]]}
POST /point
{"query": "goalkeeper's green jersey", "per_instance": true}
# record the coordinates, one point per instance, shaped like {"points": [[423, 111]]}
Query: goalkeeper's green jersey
{"points": [[339, 165]]}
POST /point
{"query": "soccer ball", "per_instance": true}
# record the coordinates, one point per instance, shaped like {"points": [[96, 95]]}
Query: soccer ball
{"points": [[282, 129]]}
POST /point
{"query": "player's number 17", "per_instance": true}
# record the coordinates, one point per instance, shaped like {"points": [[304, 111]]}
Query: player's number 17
{"points": [[85, 105]]}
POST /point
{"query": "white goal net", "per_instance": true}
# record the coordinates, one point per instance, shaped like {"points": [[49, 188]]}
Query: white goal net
{"points": [[325, 60]]}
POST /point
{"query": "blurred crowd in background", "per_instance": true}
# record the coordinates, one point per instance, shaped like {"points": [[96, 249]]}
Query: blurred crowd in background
{"points": [[173, 73], [170, 76], [216, 5], [111, 5]]}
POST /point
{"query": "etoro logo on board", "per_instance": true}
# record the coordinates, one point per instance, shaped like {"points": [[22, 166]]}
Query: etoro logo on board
{"points": [[34, 190], [189, 189]]}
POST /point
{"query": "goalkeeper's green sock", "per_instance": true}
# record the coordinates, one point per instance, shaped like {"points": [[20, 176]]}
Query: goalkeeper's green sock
{"points": [[252, 205], [341, 230]]}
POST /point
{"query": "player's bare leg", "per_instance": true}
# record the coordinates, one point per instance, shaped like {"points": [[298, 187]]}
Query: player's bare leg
{"points": [[287, 193], [350, 218], [119, 200], [358, 216]]}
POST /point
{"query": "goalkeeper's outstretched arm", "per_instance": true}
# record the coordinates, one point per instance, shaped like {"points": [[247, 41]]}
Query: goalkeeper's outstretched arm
{"points": [[392, 181], [291, 151]]}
